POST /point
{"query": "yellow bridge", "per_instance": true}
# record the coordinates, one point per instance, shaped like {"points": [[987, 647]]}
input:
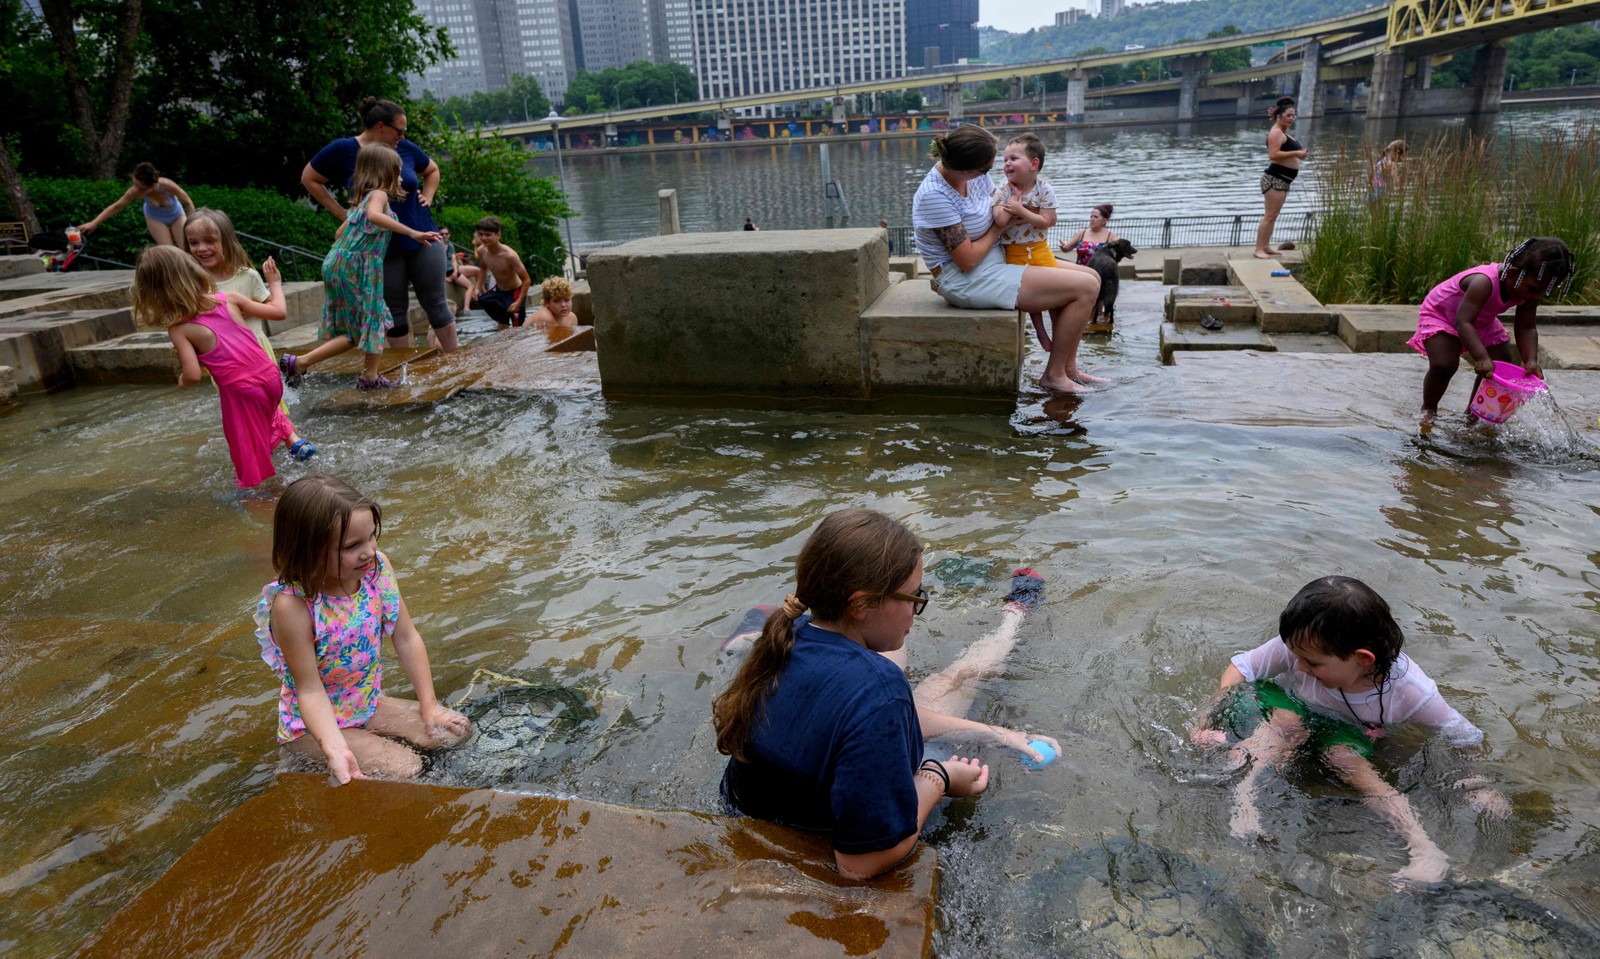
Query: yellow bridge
{"points": [[1441, 24]]}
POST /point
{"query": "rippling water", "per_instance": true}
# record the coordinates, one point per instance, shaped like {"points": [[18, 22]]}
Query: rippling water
{"points": [[608, 546], [1144, 170]]}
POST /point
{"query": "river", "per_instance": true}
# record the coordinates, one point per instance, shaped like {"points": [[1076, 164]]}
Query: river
{"points": [[1146, 170]]}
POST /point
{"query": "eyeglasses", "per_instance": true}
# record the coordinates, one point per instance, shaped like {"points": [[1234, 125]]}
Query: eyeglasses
{"points": [[398, 130], [919, 602]]}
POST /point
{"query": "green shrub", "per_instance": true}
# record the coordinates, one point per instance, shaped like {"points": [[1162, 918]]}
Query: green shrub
{"points": [[262, 213], [462, 220]]}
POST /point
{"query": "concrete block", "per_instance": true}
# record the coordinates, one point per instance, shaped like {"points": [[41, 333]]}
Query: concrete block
{"points": [[1376, 328], [303, 304], [22, 264], [143, 357], [1230, 304], [110, 294], [582, 303], [8, 386], [1127, 271], [909, 267], [918, 343], [1569, 352], [1204, 268], [773, 312], [1308, 343], [1560, 315], [1282, 304], [1191, 337], [36, 345], [1172, 270]]}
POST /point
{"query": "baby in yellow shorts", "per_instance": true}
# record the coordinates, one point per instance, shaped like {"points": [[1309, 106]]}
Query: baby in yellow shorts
{"points": [[1032, 204]]}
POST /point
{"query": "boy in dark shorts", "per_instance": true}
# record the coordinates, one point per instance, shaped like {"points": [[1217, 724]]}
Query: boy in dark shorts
{"points": [[504, 303]]}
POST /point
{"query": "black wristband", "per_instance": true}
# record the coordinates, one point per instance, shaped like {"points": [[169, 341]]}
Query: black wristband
{"points": [[936, 767]]}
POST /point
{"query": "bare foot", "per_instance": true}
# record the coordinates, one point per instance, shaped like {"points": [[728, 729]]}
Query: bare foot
{"points": [[1265, 254], [1087, 380], [1429, 866], [1245, 824], [1062, 386]]}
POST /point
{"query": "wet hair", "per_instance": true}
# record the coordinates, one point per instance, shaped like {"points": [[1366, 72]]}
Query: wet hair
{"points": [[146, 173], [170, 287], [1339, 615], [1283, 104], [374, 111], [1547, 258], [555, 289], [489, 224], [1395, 149], [851, 551], [310, 522], [1104, 209], [234, 258], [378, 167], [1031, 145], [965, 149]]}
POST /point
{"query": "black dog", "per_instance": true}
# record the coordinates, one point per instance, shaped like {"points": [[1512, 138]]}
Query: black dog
{"points": [[1104, 262]]}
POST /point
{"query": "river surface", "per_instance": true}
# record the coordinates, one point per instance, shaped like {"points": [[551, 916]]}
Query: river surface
{"points": [[609, 546], [1155, 170]]}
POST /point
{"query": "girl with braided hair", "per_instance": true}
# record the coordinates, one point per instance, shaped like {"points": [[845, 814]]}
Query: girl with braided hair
{"points": [[1462, 314], [821, 730]]}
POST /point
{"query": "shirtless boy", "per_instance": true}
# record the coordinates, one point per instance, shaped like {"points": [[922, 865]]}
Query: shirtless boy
{"points": [[505, 302], [557, 307]]}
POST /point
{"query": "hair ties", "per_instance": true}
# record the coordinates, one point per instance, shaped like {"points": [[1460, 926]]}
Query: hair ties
{"points": [[793, 607]]}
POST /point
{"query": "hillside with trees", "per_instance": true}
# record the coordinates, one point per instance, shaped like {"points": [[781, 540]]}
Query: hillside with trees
{"points": [[1157, 24]]}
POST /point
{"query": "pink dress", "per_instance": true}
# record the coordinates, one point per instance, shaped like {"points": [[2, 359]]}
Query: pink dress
{"points": [[1438, 313], [249, 386]]}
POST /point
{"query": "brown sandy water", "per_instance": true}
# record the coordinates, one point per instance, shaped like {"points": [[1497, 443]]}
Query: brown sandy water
{"points": [[608, 546]]}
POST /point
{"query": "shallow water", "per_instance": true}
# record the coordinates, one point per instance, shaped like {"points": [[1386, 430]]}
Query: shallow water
{"points": [[609, 547]]}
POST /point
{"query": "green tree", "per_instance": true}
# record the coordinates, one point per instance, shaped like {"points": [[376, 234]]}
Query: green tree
{"points": [[488, 173], [1233, 58], [639, 84], [518, 101]]}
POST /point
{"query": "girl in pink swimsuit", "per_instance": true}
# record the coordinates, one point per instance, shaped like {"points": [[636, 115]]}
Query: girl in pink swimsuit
{"points": [[321, 625], [1462, 315], [172, 290]]}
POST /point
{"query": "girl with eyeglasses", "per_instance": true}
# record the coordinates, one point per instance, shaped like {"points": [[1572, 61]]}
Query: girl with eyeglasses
{"points": [[821, 727]]}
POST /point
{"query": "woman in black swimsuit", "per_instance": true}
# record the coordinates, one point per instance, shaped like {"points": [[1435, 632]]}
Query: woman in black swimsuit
{"points": [[1284, 154]]}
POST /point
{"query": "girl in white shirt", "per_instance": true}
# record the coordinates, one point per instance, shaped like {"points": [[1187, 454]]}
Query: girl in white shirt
{"points": [[1335, 678]]}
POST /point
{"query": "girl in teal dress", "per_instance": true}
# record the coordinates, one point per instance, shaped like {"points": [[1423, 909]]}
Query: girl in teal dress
{"points": [[354, 315]]}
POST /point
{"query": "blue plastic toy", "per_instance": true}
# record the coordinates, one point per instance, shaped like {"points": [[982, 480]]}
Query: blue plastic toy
{"points": [[1042, 748]]}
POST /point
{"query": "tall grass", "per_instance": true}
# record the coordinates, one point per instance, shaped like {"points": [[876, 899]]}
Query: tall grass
{"points": [[1457, 202]]}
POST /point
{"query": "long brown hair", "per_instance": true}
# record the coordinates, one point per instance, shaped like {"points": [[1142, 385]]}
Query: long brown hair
{"points": [[170, 287], [851, 551], [310, 522], [378, 167]]}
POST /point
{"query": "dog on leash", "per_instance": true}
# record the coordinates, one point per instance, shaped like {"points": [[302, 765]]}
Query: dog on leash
{"points": [[1104, 262]]}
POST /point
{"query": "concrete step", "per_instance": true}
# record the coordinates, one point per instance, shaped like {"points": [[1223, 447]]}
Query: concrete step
{"points": [[38, 346], [1191, 337], [54, 292], [1376, 328], [1282, 304], [1190, 304], [1309, 343], [21, 264], [918, 343], [1568, 350], [143, 357]]}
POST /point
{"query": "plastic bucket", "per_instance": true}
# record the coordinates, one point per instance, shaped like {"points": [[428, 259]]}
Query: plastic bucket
{"points": [[1499, 395]]}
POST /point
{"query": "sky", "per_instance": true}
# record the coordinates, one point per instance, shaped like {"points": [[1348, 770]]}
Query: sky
{"points": [[1020, 16]]}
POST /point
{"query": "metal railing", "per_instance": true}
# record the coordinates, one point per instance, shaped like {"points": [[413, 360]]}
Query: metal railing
{"points": [[1165, 232], [297, 263]]}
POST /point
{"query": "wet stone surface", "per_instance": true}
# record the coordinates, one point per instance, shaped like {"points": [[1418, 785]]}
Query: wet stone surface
{"points": [[1475, 920]]}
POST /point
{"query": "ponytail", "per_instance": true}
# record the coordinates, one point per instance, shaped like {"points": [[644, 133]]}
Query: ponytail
{"points": [[374, 111], [734, 712], [966, 149]]}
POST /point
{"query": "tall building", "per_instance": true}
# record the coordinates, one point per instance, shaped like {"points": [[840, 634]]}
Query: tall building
{"points": [[1069, 16], [1110, 9], [948, 26], [614, 33], [672, 32], [745, 47], [462, 75]]}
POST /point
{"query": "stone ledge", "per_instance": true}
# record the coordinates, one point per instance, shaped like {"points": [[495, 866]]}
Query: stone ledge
{"points": [[1568, 351], [399, 869], [1203, 268], [1376, 328], [1188, 337], [21, 264], [1282, 304], [38, 345], [909, 267], [1190, 304], [8, 386], [143, 357], [915, 342], [100, 293]]}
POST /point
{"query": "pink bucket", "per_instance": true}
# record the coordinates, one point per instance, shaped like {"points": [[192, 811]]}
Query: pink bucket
{"points": [[1499, 395]]}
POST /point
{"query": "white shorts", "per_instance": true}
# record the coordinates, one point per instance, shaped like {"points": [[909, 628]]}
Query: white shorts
{"points": [[991, 285]]}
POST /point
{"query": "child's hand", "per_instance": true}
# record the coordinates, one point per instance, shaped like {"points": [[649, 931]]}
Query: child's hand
{"points": [[1483, 367], [269, 270], [968, 777], [1533, 369], [1012, 206], [1208, 738], [1018, 740], [444, 723], [1485, 799], [429, 238], [342, 766]]}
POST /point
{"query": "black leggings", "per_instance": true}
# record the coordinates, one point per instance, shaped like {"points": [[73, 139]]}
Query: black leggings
{"points": [[423, 268]]}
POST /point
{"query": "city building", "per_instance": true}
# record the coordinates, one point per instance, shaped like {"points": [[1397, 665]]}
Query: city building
{"points": [[1067, 18], [746, 47], [461, 75], [498, 39], [613, 33], [1110, 9], [940, 32]]}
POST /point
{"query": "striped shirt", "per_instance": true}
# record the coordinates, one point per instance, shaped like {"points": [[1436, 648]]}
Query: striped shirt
{"points": [[938, 205]]}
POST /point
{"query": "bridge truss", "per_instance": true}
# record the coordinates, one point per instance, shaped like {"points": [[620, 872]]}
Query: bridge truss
{"points": [[1426, 25]]}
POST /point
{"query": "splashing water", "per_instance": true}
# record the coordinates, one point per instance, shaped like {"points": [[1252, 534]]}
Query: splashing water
{"points": [[1540, 433]]}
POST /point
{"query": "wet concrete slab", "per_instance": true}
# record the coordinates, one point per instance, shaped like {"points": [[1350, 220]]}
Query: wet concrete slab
{"points": [[1283, 305], [394, 869], [519, 360], [1191, 338]]}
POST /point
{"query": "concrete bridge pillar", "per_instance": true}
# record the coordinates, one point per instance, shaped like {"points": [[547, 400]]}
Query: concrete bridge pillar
{"points": [[839, 113], [1016, 88], [1489, 76], [1386, 91], [1193, 68], [953, 100], [1422, 74], [1246, 104], [1077, 91], [1310, 103]]}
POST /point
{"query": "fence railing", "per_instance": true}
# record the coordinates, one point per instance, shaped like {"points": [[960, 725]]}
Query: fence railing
{"points": [[1165, 232]]}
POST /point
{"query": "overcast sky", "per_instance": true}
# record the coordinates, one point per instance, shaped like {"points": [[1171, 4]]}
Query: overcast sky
{"points": [[1020, 17]]}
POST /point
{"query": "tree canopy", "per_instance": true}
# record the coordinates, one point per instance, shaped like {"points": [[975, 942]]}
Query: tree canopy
{"points": [[1548, 58], [521, 99], [639, 84]]}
